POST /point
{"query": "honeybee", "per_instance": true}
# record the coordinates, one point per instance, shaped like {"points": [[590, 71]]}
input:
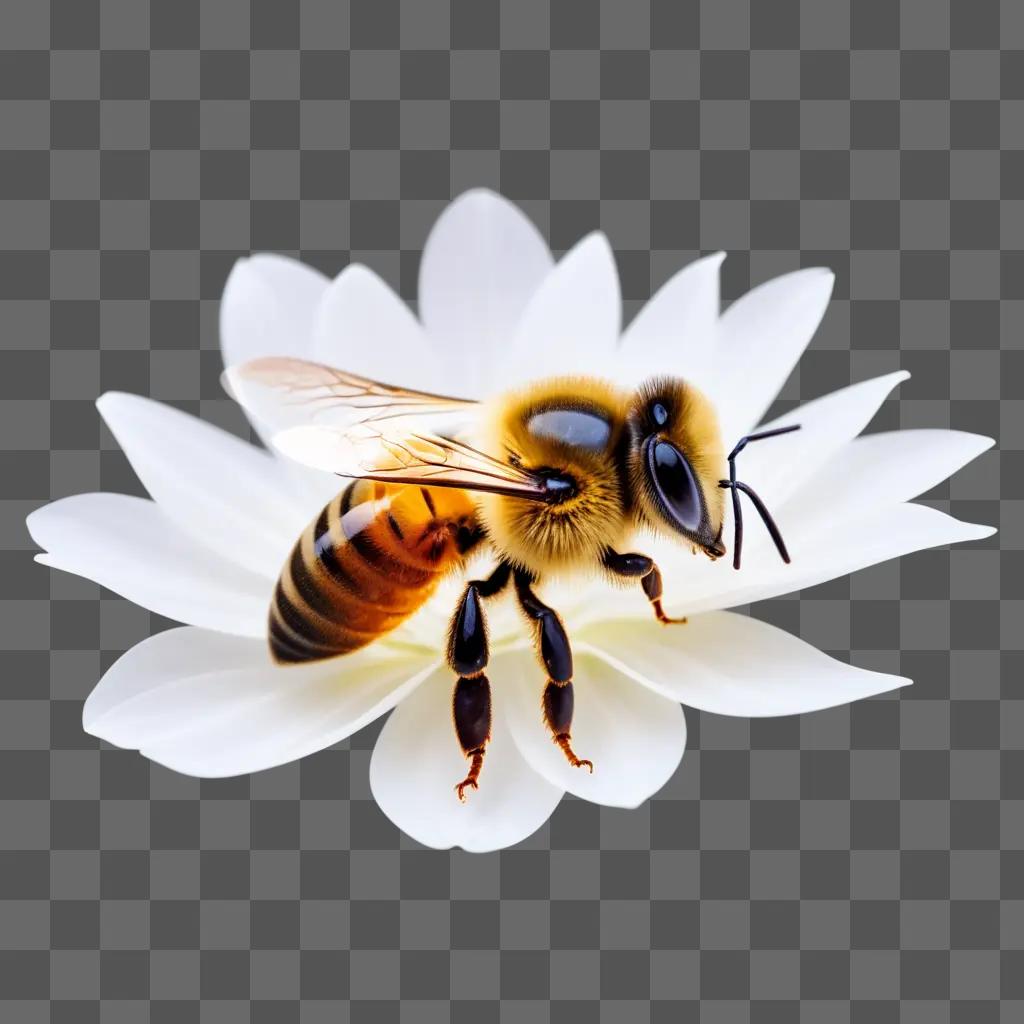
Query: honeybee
{"points": [[554, 477]]}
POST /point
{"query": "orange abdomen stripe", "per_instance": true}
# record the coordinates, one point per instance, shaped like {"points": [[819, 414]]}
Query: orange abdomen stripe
{"points": [[345, 584]]}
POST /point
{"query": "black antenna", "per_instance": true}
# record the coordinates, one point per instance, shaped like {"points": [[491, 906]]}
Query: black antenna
{"points": [[736, 486]]}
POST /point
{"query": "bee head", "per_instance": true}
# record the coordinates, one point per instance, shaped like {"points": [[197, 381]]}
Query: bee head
{"points": [[675, 461]]}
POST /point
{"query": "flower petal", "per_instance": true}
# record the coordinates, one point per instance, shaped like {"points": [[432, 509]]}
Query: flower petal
{"points": [[760, 338], [129, 546], [482, 262], [732, 665], [571, 324], [777, 466], [229, 495], [267, 308], [674, 333], [211, 705], [823, 553], [363, 327], [417, 761], [634, 736], [883, 469]]}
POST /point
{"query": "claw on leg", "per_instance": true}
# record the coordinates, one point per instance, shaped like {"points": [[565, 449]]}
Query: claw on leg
{"points": [[469, 782], [472, 711], [666, 620], [467, 657], [563, 741], [558, 707]]}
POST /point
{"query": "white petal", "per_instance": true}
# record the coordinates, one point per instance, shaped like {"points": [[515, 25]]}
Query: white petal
{"points": [[129, 546], [634, 736], [363, 327], [482, 262], [417, 762], [732, 665], [760, 338], [674, 333], [211, 705], [571, 325], [229, 495], [824, 553], [884, 469], [777, 466], [267, 308]]}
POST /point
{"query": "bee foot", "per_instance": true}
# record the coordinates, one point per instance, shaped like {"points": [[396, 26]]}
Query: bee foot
{"points": [[666, 620], [469, 782], [563, 741]]}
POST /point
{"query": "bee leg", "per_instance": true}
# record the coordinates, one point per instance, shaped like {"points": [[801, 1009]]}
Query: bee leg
{"points": [[468, 655], [471, 709], [556, 654], [652, 588], [558, 706], [636, 566]]}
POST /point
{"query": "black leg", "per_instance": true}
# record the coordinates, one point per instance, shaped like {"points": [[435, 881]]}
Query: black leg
{"points": [[556, 654], [467, 655], [636, 566], [471, 709]]}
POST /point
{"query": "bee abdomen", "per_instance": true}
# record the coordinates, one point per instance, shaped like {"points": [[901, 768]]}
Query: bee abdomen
{"points": [[352, 577]]}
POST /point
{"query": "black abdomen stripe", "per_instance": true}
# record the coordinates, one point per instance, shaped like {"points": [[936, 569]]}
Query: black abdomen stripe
{"points": [[346, 583]]}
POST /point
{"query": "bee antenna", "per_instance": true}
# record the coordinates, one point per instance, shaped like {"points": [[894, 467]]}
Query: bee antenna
{"points": [[736, 486]]}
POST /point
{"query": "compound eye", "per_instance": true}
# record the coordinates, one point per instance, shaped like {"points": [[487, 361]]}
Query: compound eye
{"points": [[676, 487]]}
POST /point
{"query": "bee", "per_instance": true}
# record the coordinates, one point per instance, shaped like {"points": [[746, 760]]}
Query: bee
{"points": [[551, 478]]}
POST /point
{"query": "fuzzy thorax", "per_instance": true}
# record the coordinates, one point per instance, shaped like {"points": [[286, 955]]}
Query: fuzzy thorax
{"points": [[545, 538], [574, 532]]}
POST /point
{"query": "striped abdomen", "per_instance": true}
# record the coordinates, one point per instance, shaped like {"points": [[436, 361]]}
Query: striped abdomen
{"points": [[365, 564]]}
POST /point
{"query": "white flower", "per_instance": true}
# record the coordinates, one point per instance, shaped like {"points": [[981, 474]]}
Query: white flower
{"points": [[494, 307]]}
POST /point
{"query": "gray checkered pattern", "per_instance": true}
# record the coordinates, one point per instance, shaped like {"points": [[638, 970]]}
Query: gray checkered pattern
{"points": [[859, 865]]}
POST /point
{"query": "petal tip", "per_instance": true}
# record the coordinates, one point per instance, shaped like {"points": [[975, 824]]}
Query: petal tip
{"points": [[480, 194], [93, 716], [89, 720], [594, 240], [476, 203], [898, 682], [225, 378], [233, 282], [112, 403], [357, 272], [32, 521], [236, 267], [107, 399]]}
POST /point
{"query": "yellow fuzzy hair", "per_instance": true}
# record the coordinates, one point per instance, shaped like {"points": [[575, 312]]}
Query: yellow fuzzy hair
{"points": [[547, 538]]}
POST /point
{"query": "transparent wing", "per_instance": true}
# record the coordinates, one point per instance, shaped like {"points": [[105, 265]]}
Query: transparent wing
{"points": [[281, 392], [386, 452]]}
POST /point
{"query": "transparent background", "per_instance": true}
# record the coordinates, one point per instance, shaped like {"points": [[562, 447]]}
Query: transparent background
{"points": [[858, 865]]}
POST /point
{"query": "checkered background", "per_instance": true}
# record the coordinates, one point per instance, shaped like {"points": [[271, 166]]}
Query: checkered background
{"points": [[858, 865]]}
